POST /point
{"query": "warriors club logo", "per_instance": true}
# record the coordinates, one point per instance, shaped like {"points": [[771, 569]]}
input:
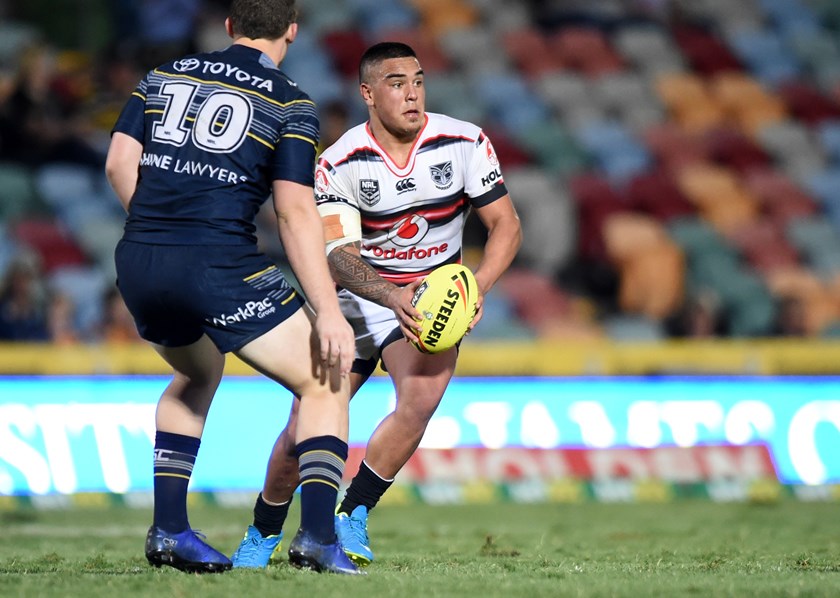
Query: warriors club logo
{"points": [[442, 174]]}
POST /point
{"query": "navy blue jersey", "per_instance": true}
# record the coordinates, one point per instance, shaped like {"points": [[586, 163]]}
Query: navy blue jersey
{"points": [[217, 129]]}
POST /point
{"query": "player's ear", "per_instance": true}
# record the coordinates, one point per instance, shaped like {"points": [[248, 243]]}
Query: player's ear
{"points": [[367, 93], [291, 34], [229, 27]]}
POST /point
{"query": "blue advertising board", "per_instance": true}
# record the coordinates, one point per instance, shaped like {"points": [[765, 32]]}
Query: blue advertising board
{"points": [[95, 433]]}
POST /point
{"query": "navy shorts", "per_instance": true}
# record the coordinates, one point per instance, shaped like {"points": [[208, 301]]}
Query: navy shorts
{"points": [[176, 293]]}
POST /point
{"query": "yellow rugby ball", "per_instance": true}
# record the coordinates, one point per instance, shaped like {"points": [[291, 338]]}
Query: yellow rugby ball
{"points": [[447, 300]]}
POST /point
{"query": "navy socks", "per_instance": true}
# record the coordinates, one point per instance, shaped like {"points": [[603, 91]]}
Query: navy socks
{"points": [[321, 461], [174, 459]]}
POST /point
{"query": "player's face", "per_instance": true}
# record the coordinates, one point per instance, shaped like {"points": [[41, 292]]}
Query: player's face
{"points": [[396, 96]]}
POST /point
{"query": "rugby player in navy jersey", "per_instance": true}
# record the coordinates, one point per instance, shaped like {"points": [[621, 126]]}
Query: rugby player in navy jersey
{"points": [[199, 146], [394, 194]]}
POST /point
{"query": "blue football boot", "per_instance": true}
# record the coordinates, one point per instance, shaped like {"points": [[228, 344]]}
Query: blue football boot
{"points": [[308, 553], [255, 551], [185, 551], [352, 533]]}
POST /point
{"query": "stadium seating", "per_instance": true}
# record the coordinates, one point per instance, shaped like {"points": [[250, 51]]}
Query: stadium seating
{"points": [[19, 195], [682, 152]]}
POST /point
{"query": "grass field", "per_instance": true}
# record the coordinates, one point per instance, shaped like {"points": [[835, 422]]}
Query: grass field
{"points": [[684, 548]]}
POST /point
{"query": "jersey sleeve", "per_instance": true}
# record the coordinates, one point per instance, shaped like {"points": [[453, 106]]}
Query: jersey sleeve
{"points": [[338, 206], [294, 156], [484, 182], [132, 119], [333, 186]]}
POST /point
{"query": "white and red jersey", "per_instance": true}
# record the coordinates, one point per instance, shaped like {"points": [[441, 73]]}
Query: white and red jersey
{"points": [[412, 217]]}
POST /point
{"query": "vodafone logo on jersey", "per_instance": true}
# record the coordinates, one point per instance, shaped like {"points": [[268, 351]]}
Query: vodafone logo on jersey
{"points": [[322, 183], [408, 231]]}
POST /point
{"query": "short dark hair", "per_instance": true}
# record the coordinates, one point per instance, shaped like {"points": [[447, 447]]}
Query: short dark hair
{"points": [[262, 19], [382, 51]]}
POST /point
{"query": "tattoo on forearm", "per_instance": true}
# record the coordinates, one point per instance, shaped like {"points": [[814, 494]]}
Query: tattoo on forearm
{"points": [[357, 276]]}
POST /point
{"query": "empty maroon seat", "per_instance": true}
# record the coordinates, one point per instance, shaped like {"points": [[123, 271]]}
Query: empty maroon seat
{"points": [[807, 103], [585, 49], [772, 257], [52, 243], [674, 148], [730, 148], [431, 56], [535, 297], [780, 198], [508, 152], [706, 53], [590, 189], [658, 195], [764, 245], [345, 49], [530, 52], [596, 201]]}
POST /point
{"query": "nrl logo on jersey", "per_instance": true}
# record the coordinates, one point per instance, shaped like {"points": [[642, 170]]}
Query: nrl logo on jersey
{"points": [[442, 175], [369, 191]]}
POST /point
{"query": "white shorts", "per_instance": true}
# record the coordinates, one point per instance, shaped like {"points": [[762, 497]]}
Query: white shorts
{"points": [[375, 327]]}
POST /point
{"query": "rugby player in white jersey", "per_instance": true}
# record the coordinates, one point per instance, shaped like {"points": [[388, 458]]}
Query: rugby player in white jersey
{"points": [[394, 194]]}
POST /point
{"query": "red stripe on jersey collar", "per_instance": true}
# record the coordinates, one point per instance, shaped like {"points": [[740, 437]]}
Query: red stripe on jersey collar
{"points": [[387, 157]]}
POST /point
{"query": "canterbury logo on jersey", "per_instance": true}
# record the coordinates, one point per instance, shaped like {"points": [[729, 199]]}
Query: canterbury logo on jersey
{"points": [[405, 185]]}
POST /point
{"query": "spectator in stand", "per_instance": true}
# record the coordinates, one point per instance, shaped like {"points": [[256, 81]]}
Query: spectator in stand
{"points": [[699, 317], [117, 322], [118, 73], [23, 314], [791, 319], [335, 121], [34, 125], [61, 325], [166, 28]]}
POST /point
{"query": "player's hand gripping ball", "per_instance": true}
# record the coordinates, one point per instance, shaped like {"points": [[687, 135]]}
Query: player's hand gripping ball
{"points": [[447, 300]]}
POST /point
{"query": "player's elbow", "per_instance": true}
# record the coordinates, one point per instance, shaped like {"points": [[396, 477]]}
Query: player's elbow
{"points": [[113, 170], [513, 232]]}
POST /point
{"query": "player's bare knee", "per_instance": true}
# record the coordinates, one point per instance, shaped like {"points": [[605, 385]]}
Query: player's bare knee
{"points": [[199, 380], [419, 407], [323, 395]]}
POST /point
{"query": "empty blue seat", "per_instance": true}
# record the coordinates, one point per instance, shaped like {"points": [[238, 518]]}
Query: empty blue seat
{"points": [[828, 132], [766, 55], [18, 195], [632, 328], [382, 17], [61, 184], [825, 185], [614, 149]]}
